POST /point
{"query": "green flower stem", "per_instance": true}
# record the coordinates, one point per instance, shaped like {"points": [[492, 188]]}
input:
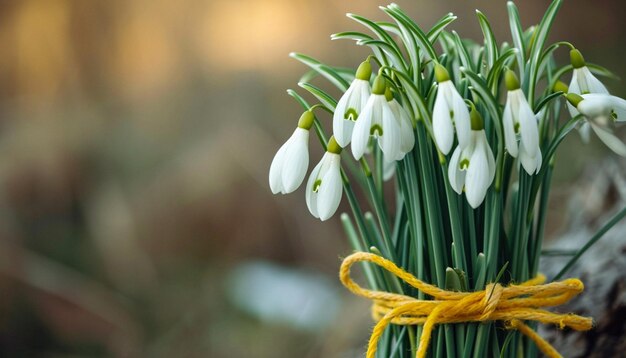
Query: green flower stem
{"points": [[358, 245], [455, 216]]}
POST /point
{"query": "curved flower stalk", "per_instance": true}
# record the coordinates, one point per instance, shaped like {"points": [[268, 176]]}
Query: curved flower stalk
{"points": [[473, 168], [599, 110], [324, 188], [291, 162], [407, 137], [378, 120], [351, 104], [519, 119], [449, 113], [583, 82]]}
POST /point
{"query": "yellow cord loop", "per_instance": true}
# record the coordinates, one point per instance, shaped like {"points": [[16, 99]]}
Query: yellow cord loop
{"points": [[512, 304]]}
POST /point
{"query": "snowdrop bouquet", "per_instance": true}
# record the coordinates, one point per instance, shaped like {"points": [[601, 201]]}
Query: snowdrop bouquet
{"points": [[466, 133]]}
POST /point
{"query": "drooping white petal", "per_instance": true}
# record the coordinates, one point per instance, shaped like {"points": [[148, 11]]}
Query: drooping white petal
{"points": [[461, 116], [348, 109], [539, 159], [361, 132], [573, 88], [390, 140], [491, 162], [342, 127], [407, 136], [588, 83], [276, 169], [609, 139], [584, 131], [528, 126], [296, 161], [596, 105], [529, 163], [477, 179], [389, 169], [510, 140], [455, 175], [311, 195], [618, 106], [330, 191], [442, 124]]}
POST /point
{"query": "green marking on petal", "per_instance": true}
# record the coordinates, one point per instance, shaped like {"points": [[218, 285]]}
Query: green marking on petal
{"points": [[452, 114], [613, 115], [351, 114], [464, 164], [376, 130], [516, 127], [316, 185]]}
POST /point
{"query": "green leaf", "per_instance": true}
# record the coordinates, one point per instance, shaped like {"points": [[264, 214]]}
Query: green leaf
{"points": [[383, 46], [535, 52], [480, 87], [464, 56], [416, 100], [328, 72], [399, 16], [547, 100], [322, 96], [494, 75], [517, 34], [299, 98], [382, 35], [438, 28], [491, 46]]}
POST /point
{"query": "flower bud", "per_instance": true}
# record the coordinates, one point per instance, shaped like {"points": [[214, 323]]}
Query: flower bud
{"points": [[333, 146], [576, 59], [476, 120], [364, 72], [306, 120], [380, 84], [441, 74], [511, 81], [560, 87]]}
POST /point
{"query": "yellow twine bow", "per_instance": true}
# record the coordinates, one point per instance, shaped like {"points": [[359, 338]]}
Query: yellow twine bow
{"points": [[512, 304]]}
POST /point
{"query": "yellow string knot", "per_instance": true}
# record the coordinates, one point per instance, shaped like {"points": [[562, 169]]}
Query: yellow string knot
{"points": [[512, 305]]}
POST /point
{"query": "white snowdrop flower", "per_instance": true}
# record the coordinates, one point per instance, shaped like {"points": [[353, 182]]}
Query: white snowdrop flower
{"points": [[378, 120], [473, 168], [583, 81], [519, 119], [600, 110], [324, 188], [449, 113], [351, 104], [407, 137], [292, 159]]}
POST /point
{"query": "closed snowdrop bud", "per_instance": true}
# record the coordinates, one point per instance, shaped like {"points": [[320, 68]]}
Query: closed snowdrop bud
{"points": [[324, 188], [583, 81], [599, 111], [407, 137], [519, 120], [378, 120], [473, 168], [449, 113], [292, 159], [351, 104]]}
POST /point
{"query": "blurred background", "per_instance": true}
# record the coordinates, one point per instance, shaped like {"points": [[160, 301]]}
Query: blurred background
{"points": [[135, 141]]}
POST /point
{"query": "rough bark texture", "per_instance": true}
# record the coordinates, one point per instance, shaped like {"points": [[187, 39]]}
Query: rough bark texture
{"points": [[602, 268]]}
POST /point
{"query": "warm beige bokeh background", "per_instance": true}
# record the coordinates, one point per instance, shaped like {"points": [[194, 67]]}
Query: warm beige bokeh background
{"points": [[135, 140]]}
